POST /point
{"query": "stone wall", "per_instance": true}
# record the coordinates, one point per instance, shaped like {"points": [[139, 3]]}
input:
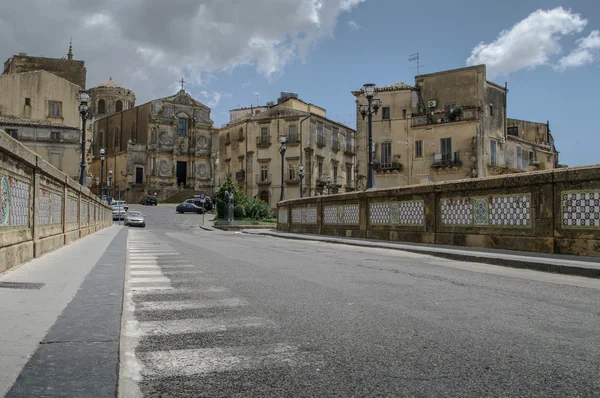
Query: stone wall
{"points": [[555, 211], [41, 209]]}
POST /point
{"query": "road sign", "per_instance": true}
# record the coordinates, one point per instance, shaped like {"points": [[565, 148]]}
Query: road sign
{"points": [[202, 196], [117, 187]]}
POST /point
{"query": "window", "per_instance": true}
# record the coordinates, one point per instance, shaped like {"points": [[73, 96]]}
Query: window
{"points": [[182, 126], [264, 173], [241, 134], [101, 107], [418, 149], [403, 113], [513, 130], [519, 158], [320, 167], [27, 101], [446, 150], [386, 155], [334, 166], [335, 139], [348, 174], [385, 113], [55, 109], [14, 133], [531, 157], [139, 175], [264, 135], [293, 135], [491, 109], [493, 152], [292, 172], [55, 135], [119, 106], [349, 143], [320, 136], [449, 107]]}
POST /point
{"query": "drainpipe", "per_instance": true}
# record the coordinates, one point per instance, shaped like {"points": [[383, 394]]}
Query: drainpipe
{"points": [[246, 157], [302, 148]]}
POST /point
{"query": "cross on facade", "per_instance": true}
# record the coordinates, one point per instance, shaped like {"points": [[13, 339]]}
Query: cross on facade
{"points": [[182, 81]]}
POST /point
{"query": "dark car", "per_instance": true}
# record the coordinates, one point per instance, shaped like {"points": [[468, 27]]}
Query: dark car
{"points": [[207, 205], [149, 200], [189, 208]]}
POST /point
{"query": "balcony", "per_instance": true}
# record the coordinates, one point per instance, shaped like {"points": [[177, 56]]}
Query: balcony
{"points": [[350, 150], [443, 117], [322, 180], [321, 142], [440, 161], [336, 146], [388, 167], [292, 139], [240, 175], [294, 181], [263, 142], [264, 181]]}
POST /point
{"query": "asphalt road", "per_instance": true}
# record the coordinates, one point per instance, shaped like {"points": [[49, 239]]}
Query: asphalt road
{"points": [[222, 314]]}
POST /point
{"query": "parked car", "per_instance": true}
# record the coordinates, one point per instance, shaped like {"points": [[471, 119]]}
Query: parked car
{"points": [[149, 200], [135, 219], [120, 203], [207, 205], [118, 212], [107, 199], [189, 207]]}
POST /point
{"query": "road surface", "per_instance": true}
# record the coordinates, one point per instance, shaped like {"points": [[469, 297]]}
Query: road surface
{"points": [[222, 314]]}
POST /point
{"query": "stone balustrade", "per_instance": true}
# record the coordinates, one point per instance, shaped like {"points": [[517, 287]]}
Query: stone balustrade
{"points": [[41, 208], [556, 211]]}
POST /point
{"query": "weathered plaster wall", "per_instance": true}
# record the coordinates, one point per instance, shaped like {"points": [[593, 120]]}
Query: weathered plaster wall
{"points": [[41, 209], [554, 211]]}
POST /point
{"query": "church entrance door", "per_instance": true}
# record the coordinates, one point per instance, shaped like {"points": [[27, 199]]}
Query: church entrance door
{"points": [[181, 173]]}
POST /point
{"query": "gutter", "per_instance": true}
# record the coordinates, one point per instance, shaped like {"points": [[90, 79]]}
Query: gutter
{"points": [[302, 147]]}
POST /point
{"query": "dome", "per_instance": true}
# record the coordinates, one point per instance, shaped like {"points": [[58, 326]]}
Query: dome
{"points": [[110, 83]]}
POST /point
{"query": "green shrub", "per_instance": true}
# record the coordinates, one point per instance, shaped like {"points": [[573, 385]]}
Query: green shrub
{"points": [[254, 209]]}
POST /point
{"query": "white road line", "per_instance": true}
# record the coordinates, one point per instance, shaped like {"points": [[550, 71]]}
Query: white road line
{"points": [[190, 305], [198, 325], [209, 289], [146, 267], [210, 360], [150, 288], [146, 273], [155, 279]]}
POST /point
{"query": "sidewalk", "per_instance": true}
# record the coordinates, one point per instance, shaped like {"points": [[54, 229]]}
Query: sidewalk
{"points": [[555, 263], [64, 326]]}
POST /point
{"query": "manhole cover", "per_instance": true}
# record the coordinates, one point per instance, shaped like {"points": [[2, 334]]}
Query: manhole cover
{"points": [[21, 285]]}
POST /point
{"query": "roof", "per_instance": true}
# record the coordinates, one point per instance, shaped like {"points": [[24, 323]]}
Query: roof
{"points": [[110, 83], [17, 121]]}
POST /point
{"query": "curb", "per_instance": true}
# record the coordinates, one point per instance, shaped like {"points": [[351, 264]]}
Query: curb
{"points": [[512, 263]]}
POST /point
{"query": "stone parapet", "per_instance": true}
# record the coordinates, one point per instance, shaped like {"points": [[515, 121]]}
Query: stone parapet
{"points": [[41, 208], [555, 211]]}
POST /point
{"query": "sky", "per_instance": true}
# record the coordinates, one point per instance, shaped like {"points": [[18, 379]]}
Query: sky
{"points": [[237, 53]]}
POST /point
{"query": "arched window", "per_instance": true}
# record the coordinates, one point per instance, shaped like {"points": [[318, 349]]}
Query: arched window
{"points": [[264, 196], [134, 131], [101, 107], [119, 106]]}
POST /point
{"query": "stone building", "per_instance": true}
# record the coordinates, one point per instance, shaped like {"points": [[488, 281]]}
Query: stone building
{"points": [[67, 68], [249, 150], [160, 146], [110, 97], [40, 109], [450, 125]]}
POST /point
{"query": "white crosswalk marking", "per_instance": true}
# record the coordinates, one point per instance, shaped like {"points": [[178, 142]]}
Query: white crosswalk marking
{"points": [[161, 287]]}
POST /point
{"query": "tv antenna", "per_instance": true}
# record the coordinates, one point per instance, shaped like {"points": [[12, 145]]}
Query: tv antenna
{"points": [[415, 57]]}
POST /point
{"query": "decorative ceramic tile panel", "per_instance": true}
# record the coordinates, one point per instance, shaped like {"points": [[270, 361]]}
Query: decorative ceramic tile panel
{"points": [[510, 210], [457, 211], [56, 209], [402, 213], [72, 214], [304, 215], [19, 202], [347, 214], [14, 201], [44, 202], [282, 215], [580, 209]]}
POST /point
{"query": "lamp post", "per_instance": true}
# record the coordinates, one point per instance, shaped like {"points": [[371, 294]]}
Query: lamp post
{"points": [[282, 149], [373, 105], [84, 111], [102, 159], [328, 185], [301, 176], [110, 174]]}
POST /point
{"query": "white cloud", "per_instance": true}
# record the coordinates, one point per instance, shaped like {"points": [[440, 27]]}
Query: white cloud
{"points": [[353, 25], [586, 52], [530, 43], [159, 42], [246, 84]]}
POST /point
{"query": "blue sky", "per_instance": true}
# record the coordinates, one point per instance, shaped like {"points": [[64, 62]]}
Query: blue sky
{"points": [[228, 50], [444, 34]]}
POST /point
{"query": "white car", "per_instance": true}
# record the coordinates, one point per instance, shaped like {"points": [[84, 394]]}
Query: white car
{"points": [[119, 209]]}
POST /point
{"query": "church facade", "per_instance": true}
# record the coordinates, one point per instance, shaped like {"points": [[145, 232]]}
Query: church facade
{"points": [[158, 147]]}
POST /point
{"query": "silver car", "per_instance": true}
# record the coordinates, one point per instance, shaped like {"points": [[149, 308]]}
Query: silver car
{"points": [[118, 212], [135, 219]]}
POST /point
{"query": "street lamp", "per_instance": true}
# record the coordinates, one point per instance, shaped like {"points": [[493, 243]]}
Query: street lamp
{"points": [[328, 185], [301, 176], [373, 105], [84, 111], [102, 159], [282, 149]]}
